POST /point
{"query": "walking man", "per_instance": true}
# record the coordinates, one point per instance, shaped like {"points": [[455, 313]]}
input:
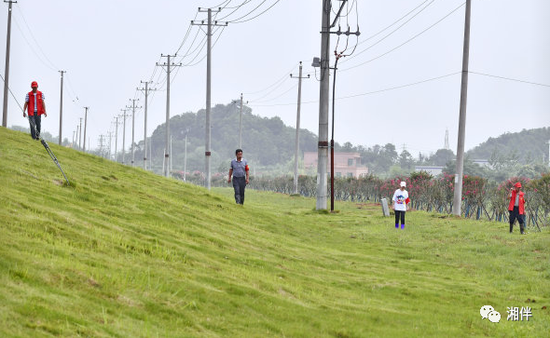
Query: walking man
{"points": [[34, 101], [239, 169], [517, 207], [400, 204]]}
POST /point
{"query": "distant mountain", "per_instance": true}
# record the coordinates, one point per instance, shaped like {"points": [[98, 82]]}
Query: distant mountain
{"points": [[527, 146], [266, 142]]}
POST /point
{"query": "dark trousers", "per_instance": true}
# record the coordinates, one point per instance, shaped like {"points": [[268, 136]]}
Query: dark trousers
{"points": [[515, 214], [34, 121], [239, 183], [399, 214]]}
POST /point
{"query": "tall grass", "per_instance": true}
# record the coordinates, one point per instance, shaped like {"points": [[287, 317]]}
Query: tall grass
{"points": [[122, 252]]}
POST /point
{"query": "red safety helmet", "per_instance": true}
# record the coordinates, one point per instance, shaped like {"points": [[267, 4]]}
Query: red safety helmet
{"points": [[34, 84], [518, 185]]}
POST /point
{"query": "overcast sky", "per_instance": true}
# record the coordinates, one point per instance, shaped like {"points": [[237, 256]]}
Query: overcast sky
{"points": [[401, 83]]}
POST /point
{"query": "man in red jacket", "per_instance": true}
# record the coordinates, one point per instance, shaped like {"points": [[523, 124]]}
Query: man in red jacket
{"points": [[517, 207], [34, 101]]}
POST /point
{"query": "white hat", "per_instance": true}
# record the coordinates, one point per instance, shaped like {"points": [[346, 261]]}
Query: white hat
{"points": [[403, 183]]}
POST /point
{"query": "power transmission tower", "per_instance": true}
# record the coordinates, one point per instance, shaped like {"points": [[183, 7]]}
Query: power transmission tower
{"points": [[166, 153], [101, 138], [146, 91], [7, 69], [208, 138], [133, 107], [457, 200], [297, 146], [85, 125], [61, 109]]}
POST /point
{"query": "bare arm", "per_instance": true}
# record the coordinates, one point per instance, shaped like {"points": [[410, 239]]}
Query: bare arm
{"points": [[230, 173]]}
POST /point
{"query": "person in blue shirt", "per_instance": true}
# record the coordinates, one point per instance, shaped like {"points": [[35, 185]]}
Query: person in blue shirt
{"points": [[239, 169]]}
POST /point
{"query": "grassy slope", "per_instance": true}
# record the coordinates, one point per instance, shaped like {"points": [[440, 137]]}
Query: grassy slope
{"points": [[123, 252]]}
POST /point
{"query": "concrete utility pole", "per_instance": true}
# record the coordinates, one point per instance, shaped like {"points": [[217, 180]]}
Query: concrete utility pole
{"points": [[116, 138], [123, 134], [166, 152], [297, 146], [457, 200], [110, 143], [72, 144], [7, 69], [208, 141], [61, 109], [146, 91], [80, 135], [322, 147], [85, 126], [133, 107]]}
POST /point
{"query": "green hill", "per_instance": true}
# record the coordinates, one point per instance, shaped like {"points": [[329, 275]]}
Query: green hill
{"points": [[526, 147], [126, 253], [267, 142]]}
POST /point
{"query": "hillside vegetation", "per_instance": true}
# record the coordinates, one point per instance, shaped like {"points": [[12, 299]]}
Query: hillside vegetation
{"points": [[126, 253]]}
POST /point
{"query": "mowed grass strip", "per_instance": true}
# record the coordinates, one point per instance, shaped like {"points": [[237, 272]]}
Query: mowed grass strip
{"points": [[123, 252]]}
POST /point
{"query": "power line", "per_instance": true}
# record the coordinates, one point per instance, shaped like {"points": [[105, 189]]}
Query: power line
{"points": [[392, 32], [367, 93], [254, 17], [404, 43], [510, 79]]}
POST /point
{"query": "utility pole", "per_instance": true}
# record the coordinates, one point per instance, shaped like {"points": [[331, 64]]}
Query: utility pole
{"points": [[61, 109], [166, 153], [7, 69], [110, 143], [457, 200], [133, 125], [85, 127], [146, 92], [123, 134], [297, 146], [72, 144], [116, 138], [208, 140], [80, 135]]}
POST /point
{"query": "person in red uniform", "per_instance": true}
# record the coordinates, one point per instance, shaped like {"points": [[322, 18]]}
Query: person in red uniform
{"points": [[34, 101], [517, 207]]}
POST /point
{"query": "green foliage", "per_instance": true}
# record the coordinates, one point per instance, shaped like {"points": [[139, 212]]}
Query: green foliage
{"points": [[525, 147], [266, 142], [125, 253]]}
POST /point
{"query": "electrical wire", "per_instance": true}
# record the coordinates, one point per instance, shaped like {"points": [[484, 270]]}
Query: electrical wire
{"points": [[510, 79], [392, 32], [276, 83], [407, 41], [369, 93], [254, 17], [275, 98]]}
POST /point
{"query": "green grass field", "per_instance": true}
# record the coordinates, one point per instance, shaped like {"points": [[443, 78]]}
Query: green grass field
{"points": [[125, 253]]}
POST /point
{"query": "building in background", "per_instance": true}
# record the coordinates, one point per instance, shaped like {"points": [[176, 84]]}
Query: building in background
{"points": [[346, 164]]}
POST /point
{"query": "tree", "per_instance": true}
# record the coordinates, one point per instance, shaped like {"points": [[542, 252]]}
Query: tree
{"points": [[442, 157]]}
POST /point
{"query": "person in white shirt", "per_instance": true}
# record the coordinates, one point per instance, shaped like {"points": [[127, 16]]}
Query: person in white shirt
{"points": [[400, 204]]}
